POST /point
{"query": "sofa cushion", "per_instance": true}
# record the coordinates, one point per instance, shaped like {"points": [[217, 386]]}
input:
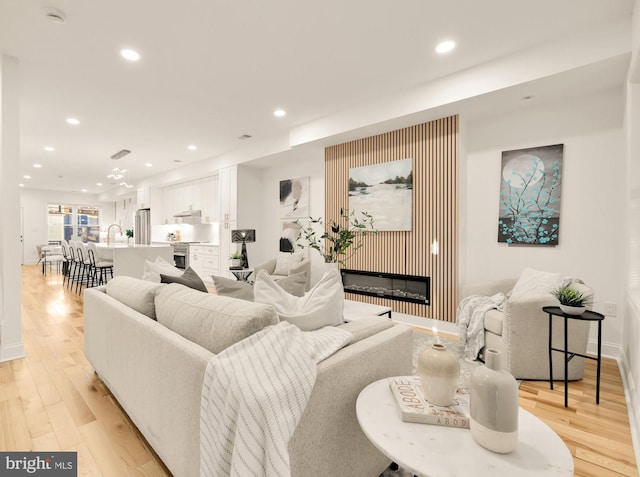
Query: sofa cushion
{"points": [[293, 284], [189, 279], [214, 322], [135, 293], [493, 321], [320, 306], [284, 262], [152, 270], [534, 284]]}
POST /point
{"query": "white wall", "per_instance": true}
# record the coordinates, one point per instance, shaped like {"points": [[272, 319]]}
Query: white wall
{"points": [[593, 215], [34, 206], [297, 163]]}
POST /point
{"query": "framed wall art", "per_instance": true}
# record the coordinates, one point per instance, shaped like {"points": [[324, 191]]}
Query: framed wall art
{"points": [[385, 191], [530, 192]]}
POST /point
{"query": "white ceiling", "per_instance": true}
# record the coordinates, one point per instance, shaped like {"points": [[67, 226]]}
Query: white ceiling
{"points": [[214, 70]]}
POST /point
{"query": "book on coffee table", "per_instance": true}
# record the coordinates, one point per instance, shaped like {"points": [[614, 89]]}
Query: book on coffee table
{"points": [[413, 407]]}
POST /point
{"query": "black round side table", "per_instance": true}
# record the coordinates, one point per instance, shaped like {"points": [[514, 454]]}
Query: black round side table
{"points": [[568, 355]]}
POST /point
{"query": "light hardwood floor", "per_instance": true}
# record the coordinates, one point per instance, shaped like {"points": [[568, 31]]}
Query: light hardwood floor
{"points": [[52, 399]]}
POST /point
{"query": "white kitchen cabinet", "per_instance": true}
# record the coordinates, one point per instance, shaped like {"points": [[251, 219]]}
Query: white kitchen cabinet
{"points": [[228, 195], [205, 261], [201, 194]]}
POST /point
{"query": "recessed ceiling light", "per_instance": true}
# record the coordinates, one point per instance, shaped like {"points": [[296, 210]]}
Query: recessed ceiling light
{"points": [[83, 190], [98, 184], [445, 46], [21, 185], [27, 177], [279, 113], [192, 147], [148, 164], [73, 121], [37, 166], [130, 55], [49, 148]]}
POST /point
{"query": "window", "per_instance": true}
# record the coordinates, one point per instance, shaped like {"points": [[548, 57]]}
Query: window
{"points": [[70, 222]]}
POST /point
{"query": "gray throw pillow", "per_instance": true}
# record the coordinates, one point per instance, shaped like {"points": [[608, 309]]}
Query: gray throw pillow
{"points": [[189, 279], [292, 284]]}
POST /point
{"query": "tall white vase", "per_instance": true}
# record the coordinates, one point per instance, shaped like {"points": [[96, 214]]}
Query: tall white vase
{"points": [[494, 405], [439, 371]]}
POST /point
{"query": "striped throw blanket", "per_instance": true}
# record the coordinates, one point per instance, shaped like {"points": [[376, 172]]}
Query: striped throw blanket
{"points": [[253, 396]]}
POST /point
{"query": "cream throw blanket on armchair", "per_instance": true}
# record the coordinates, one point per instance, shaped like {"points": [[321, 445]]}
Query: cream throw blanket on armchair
{"points": [[253, 396]]}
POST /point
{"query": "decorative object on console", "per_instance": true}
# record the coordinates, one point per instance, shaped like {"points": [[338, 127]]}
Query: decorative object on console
{"points": [[243, 236], [439, 371], [530, 195], [494, 405], [386, 191], [294, 197], [289, 236], [572, 301], [345, 238], [235, 261]]}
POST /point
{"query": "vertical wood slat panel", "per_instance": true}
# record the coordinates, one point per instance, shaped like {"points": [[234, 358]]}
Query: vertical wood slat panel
{"points": [[434, 149]]}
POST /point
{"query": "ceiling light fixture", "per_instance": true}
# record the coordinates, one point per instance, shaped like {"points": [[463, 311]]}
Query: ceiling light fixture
{"points": [[99, 184], [73, 121], [130, 55], [192, 147], [279, 113], [445, 46], [148, 164], [37, 166], [83, 190], [49, 148], [20, 185], [117, 174], [27, 177]]}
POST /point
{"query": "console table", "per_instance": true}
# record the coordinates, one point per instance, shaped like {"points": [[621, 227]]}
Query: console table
{"points": [[569, 355], [429, 450]]}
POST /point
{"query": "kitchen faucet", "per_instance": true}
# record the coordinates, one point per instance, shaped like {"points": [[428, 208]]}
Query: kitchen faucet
{"points": [[109, 232]]}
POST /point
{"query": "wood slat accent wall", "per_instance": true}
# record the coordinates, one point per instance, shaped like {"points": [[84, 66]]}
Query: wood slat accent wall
{"points": [[434, 149]]}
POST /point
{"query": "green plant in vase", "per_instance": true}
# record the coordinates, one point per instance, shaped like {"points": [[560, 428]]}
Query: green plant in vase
{"points": [[572, 301], [339, 240]]}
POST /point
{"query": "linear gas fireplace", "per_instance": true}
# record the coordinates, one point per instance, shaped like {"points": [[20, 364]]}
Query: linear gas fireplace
{"points": [[393, 286]]}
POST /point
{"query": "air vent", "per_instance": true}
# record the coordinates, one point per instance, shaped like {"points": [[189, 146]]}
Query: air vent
{"points": [[54, 15], [244, 136], [121, 154]]}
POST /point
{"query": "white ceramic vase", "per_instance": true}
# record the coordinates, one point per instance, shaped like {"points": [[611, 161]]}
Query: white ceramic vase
{"points": [[494, 405], [573, 310], [439, 371]]}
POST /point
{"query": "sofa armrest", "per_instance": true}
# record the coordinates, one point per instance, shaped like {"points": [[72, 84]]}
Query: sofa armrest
{"points": [[486, 288], [328, 435]]}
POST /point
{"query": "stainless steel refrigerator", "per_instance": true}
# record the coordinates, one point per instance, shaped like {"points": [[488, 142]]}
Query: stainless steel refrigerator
{"points": [[142, 231]]}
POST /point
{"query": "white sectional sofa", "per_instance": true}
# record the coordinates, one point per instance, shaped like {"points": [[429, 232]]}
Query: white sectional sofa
{"points": [[155, 370]]}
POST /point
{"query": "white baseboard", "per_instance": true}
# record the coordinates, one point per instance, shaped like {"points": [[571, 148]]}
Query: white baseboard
{"points": [[11, 352], [633, 404], [609, 350]]}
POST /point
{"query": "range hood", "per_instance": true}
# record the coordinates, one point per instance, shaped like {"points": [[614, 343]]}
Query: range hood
{"points": [[189, 216]]}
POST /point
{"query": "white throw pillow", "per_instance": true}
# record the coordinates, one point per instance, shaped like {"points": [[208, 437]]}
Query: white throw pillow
{"points": [[534, 284], [320, 306], [152, 270], [285, 261]]}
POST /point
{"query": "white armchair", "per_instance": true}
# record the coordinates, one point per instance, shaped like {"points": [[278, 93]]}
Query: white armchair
{"points": [[270, 267], [521, 332]]}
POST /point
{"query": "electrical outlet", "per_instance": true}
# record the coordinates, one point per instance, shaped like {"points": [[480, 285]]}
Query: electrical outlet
{"points": [[609, 309]]}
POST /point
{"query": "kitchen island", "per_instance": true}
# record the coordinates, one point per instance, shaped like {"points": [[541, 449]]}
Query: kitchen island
{"points": [[129, 259]]}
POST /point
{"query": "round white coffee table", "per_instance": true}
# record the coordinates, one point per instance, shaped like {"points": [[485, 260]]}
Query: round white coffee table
{"points": [[428, 450]]}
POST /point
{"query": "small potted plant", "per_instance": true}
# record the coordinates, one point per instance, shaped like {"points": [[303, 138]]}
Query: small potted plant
{"points": [[235, 260], [129, 234], [572, 301]]}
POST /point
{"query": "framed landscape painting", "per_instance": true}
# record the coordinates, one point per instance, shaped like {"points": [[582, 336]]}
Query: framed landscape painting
{"points": [[385, 191], [530, 187]]}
